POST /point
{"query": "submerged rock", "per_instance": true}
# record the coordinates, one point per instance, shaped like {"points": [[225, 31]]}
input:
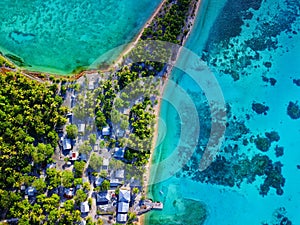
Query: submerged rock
{"points": [[297, 82], [260, 108], [293, 110]]}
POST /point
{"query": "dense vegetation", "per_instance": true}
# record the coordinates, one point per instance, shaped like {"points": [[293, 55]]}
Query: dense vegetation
{"points": [[169, 26], [29, 113]]}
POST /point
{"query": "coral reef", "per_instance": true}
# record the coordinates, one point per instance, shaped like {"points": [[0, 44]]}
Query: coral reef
{"points": [[293, 110], [262, 143], [279, 151], [260, 108], [272, 136]]}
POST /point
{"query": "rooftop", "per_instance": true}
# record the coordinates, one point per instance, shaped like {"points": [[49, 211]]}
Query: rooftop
{"points": [[84, 207], [119, 153], [121, 218], [123, 207], [124, 195]]}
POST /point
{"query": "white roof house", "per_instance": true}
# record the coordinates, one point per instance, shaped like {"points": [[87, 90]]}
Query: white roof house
{"points": [[120, 174], [91, 85], [106, 131], [124, 195], [121, 218], [84, 207], [67, 144], [81, 128], [123, 207]]}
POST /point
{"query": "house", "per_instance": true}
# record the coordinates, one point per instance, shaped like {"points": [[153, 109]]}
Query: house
{"points": [[105, 164], [98, 181], [124, 195], [81, 128], [120, 174], [69, 193], [84, 207], [106, 131], [91, 85], [115, 183], [102, 198], [123, 207], [74, 155], [31, 191], [67, 144], [121, 218], [119, 153]]}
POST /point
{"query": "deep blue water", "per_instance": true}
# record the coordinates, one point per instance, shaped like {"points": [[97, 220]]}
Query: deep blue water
{"points": [[252, 49]]}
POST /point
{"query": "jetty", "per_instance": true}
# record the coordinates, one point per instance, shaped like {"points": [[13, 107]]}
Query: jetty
{"points": [[147, 205]]}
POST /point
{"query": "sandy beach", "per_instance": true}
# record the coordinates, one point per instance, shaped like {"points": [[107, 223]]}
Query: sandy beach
{"points": [[161, 90]]}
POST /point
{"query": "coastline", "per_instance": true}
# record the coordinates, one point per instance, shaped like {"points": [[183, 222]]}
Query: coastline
{"points": [[191, 21]]}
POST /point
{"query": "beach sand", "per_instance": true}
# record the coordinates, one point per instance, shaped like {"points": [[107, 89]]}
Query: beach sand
{"points": [[161, 91]]}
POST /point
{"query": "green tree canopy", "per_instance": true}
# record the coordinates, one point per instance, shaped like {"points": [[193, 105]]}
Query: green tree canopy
{"points": [[72, 131]]}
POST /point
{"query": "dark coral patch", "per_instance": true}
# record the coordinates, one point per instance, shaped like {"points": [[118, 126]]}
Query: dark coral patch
{"points": [[259, 108], [262, 143], [293, 110]]}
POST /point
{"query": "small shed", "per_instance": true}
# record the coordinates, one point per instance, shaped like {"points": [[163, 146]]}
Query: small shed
{"points": [[31, 191], [121, 218], [123, 207], [106, 131], [84, 207], [74, 155]]}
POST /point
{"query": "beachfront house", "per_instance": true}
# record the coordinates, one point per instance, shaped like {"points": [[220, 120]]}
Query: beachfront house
{"points": [[123, 205]]}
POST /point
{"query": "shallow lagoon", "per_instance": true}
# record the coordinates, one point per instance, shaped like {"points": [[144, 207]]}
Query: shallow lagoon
{"points": [[229, 39], [60, 36]]}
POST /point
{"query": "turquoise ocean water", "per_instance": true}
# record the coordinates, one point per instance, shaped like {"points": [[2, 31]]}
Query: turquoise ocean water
{"points": [[253, 49], [60, 36]]}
